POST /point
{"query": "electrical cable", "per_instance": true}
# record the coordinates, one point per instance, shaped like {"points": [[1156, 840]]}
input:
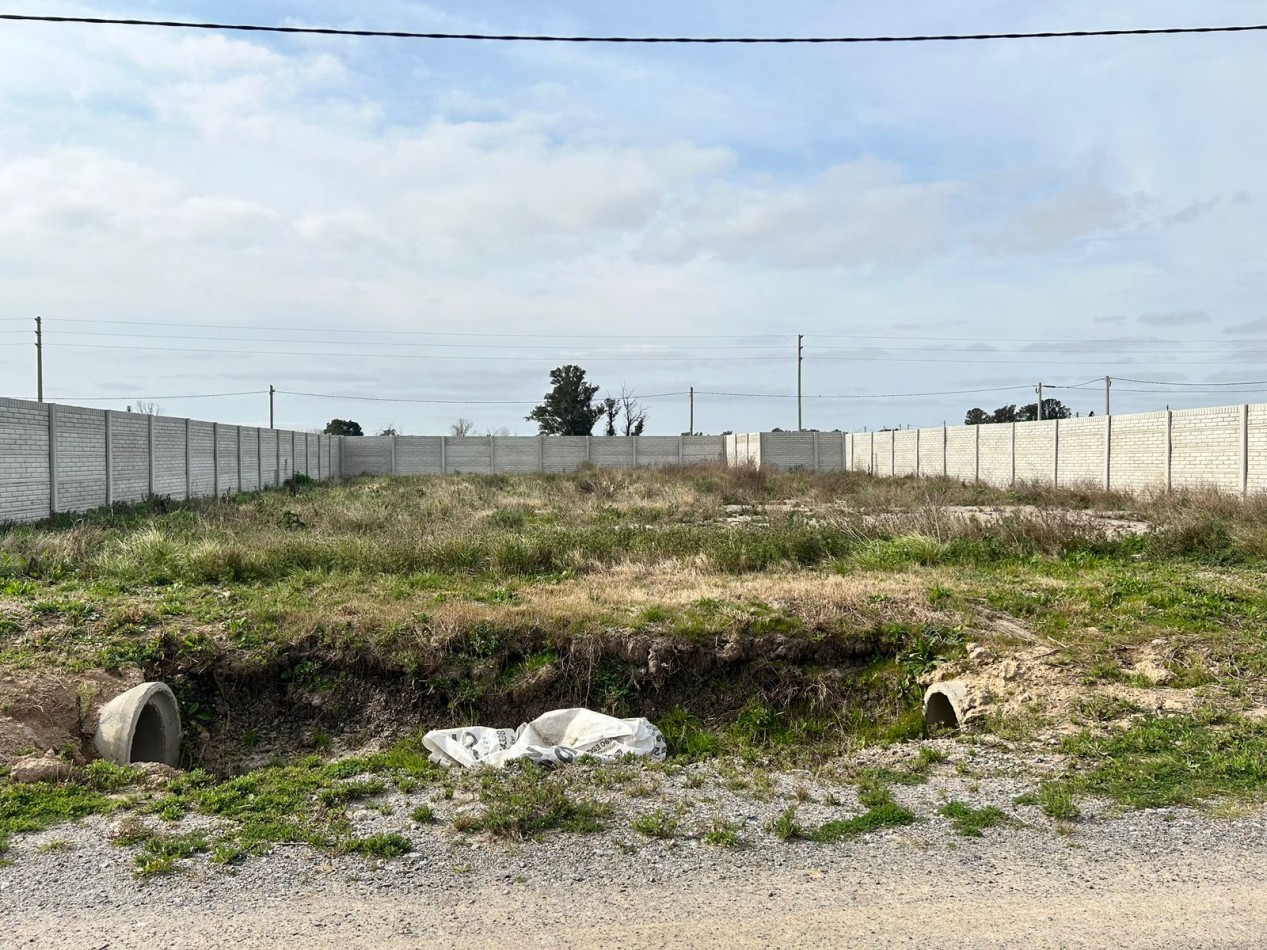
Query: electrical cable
{"points": [[444, 402], [611, 359], [951, 392], [827, 352], [1157, 382], [446, 333], [255, 392], [702, 40], [55, 335]]}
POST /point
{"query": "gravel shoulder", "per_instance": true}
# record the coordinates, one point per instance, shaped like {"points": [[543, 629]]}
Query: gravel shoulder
{"points": [[1168, 877]]}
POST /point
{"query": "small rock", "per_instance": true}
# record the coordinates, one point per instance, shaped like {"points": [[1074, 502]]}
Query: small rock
{"points": [[47, 768]]}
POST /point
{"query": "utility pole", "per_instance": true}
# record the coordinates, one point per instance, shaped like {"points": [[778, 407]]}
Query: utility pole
{"points": [[800, 360], [1040, 402], [39, 358], [1108, 384], [271, 391], [691, 430]]}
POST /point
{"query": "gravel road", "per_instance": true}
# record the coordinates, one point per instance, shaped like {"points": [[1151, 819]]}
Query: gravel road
{"points": [[1139, 879]]}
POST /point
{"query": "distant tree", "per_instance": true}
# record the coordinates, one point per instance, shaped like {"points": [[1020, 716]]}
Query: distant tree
{"points": [[342, 427], [391, 429], [146, 408], [462, 427], [631, 414], [977, 417], [1052, 409], [500, 432], [568, 408], [1004, 414]]}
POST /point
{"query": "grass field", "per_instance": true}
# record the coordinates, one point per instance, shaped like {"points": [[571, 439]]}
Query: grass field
{"points": [[781, 618]]}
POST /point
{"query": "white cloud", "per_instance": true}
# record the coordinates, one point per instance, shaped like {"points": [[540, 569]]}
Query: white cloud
{"points": [[1175, 318], [856, 213]]}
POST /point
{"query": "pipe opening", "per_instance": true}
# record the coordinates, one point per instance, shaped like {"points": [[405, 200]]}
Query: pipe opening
{"points": [[149, 743], [940, 712]]}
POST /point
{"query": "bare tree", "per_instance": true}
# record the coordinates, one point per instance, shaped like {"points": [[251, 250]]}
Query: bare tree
{"points": [[146, 408], [501, 432], [391, 429], [462, 427], [625, 414]]}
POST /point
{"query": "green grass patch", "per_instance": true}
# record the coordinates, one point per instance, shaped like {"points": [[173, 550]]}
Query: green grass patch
{"points": [[657, 824], [1173, 761], [525, 801], [1055, 799], [971, 822]]}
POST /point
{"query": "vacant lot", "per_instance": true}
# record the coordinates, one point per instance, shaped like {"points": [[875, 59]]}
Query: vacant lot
{"points": [[778, 627]]}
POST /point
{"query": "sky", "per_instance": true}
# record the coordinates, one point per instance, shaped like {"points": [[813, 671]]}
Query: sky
{"points": [[445, 222]]}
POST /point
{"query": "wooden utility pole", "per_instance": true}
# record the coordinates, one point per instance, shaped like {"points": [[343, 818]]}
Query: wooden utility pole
{"points": [[271, 391], [691, 430], [1108, 384], [1040, 402], [39, 358]]}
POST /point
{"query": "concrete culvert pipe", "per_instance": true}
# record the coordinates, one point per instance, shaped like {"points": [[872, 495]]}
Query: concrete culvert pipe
{"points": [[141, 725], [946, 705]]}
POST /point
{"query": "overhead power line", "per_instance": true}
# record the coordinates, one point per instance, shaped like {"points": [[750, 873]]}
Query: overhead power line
{"points": [[444, 402], [254, 392], [428, 333], [951, 392], [632, 357], [784, 337], [1113, 346], [1158, 382], [701, 40]]}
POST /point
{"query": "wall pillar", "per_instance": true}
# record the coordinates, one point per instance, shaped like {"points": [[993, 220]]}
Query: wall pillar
{"points": [[189, 469], [215, 458], [1245, 451], [1108, 452], [681, 451], [541, 454], [109, 460], [52, 458], [918, 464], [492, 455], [976, 456], [259, 459], [444, 455], [149, 440], [1013, 453], [893, 453], [1170, 425], [294, 468], [635, 451], [239, 438], [945, 450], [394, 438], [1055, 455]]}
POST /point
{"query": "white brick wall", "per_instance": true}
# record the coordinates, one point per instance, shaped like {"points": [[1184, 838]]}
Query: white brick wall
{"points": [[432, 455], [1223, 447], [1082, 452], [961, 452], [1206, 449], [996, 454], [25, 490], [24, 483], [1139, 452]]}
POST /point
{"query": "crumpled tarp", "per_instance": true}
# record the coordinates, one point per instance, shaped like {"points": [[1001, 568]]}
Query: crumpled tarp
{"points": [[558, 737]]}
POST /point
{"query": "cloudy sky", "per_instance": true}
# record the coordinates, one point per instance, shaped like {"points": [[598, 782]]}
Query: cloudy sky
{"points": [[199, 213]]}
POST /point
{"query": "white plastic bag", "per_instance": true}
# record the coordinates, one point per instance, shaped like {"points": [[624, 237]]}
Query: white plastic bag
{"points": [[559, 737]]}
